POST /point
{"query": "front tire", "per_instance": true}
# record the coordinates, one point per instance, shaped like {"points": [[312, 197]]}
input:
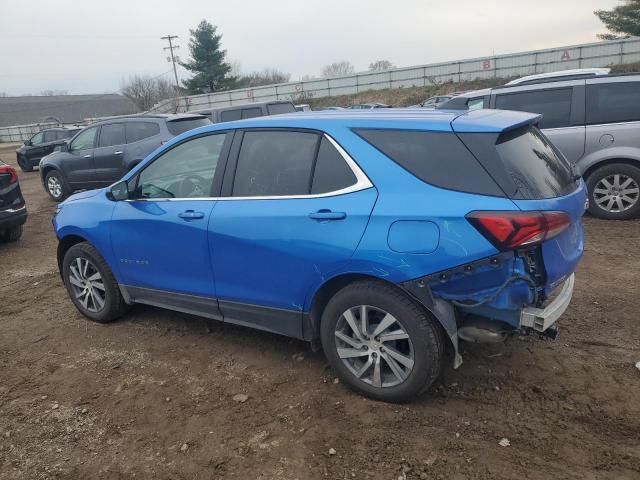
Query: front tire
{"points": [[614, 192], [24, 164], [380, 342], [55, 186], [91, 284]]}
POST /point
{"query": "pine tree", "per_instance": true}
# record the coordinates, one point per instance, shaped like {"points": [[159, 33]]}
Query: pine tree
{"points": [[622, 21], [207, 62]]}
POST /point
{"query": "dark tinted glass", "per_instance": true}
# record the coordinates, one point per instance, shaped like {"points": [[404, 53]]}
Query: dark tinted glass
{"points": [[176, 127], [251, 112], [332, 172], [137, 131], [37, 138], [185, 171], [523, 162], [112, 134], [50, 136], [438, 158], [231, 115], [278, 108], [85, 139], [613, 102], [275, 163], [554, 105]]}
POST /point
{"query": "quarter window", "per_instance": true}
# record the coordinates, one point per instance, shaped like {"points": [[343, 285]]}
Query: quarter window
{"points": [[275, 163], [185, 171], [85, 140], [554, 105], [613, 102], [136, 131], [112, 134], [332, 172]]}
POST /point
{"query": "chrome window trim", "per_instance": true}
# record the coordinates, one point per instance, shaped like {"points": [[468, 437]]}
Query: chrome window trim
{"points": [[362, 183]]}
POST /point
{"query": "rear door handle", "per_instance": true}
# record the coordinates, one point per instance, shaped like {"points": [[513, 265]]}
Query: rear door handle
{"points": [[88, 155], [191, 215], [119, 152], [327, 215]]}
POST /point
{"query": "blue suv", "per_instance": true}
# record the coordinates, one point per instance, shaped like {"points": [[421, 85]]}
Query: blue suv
{"points": [[386, 236]]}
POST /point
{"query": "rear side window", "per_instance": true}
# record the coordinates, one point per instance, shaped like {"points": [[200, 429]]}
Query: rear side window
{"points": [[437, 158], [275, 163], [554, 105], [136, 131], [331, 171], [278, 108], [112, 134], [176, 127], [613, 102], [251, 112], [523, 162], [231, 115]]}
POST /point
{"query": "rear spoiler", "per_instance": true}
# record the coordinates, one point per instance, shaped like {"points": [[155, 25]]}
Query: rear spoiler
{"points": [[492, 121]]}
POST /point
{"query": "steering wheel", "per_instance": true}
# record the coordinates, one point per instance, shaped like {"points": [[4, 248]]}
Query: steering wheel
{"points": [[193, 186]]}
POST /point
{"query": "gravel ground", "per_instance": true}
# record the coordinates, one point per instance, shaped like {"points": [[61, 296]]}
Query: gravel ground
{"points": [[152, 395]]}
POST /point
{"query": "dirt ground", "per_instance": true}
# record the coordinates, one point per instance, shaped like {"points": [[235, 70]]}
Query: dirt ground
{"points": [[151, 395]]}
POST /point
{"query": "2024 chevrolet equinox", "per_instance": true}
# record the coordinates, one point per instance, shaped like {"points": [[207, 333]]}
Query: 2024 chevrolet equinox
{"points": [[387, 236]]}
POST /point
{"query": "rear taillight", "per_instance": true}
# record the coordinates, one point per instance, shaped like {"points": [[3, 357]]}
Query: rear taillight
{"points": [[511, 230], [10, 172]]}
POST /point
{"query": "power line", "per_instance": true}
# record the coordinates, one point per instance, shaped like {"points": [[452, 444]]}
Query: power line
{"points": [[173, 59]]}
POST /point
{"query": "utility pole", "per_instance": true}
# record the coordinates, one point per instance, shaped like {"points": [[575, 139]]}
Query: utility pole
{"points": [[173, 59]]}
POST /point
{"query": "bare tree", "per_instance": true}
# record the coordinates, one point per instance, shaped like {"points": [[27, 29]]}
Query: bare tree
{"points": [[380, 66], [146, 91], [4, 94], [338, 69], [53, 93]]}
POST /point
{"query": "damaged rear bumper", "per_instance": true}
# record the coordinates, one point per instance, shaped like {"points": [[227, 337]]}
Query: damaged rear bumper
{"points": [[540, 319]]}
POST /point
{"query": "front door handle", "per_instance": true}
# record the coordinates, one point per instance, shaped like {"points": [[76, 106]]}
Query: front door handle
{"points": [[119, 152], [325, 214], [88, 155], [191, 215]]}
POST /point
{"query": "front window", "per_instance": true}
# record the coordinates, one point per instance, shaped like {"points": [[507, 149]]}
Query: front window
{"points": [[37, 139], [85, 139], [185, 171]]}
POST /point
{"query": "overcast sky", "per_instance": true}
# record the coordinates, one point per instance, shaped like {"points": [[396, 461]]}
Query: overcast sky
{"points": [[89, 46]]}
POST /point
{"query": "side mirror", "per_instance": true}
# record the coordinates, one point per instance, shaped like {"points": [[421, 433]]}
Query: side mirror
{"points": [[27, 143], [119, 191]]}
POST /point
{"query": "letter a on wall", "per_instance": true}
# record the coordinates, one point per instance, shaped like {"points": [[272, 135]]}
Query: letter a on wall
{"points": [[565, 56]]}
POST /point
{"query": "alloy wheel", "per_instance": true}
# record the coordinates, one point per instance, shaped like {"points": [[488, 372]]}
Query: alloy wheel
{"points": [[374, 346], [616, 193], [54, 186], [87, 284]]}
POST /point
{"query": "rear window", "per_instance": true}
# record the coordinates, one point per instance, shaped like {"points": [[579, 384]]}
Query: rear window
{"points": [[278, 108], [523, 162], [553, 104], [136, 131], [437, 158], [176, 127], [613, 102]]}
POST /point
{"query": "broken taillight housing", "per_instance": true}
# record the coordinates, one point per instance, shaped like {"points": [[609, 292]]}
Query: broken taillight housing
{"points": [[10, 172], [511, 230]]}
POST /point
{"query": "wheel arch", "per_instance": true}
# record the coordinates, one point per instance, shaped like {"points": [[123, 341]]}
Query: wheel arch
{"points": [[327, 290], [634, 162], [64, 245]]}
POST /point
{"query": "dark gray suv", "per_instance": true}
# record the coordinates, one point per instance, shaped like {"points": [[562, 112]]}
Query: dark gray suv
{"points": [[106, 150], [594, 121]]}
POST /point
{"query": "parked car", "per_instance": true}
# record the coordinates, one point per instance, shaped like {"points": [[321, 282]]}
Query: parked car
{"points": [[594, 121], [247, 110], [106, 150], [13, 209], [303, 107], [386, 237], [368, 106], [41, 144], [433, 102], [331, 108]]}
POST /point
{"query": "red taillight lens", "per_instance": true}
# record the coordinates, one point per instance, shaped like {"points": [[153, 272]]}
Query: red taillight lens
{"points": [[511, 230], [11, 172]]}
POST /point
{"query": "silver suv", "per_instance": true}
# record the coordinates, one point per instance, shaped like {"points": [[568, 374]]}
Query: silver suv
{"points": [[594, 121]]}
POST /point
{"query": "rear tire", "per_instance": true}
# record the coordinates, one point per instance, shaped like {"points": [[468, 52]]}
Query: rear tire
{"points": [[24, 164], [91, 285], [614, 192], [54, 184], [12, 234], [392, 364]]}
